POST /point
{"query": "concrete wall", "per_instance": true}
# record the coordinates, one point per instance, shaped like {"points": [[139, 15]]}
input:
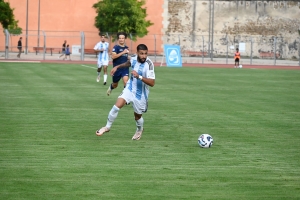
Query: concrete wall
{"points": [[183, 22], [239, 22]]}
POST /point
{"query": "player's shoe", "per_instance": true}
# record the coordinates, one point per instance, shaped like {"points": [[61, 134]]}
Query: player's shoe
{"points": [[98, 79], [104, 83], [108, 92], [102, 130], [137, 135]]}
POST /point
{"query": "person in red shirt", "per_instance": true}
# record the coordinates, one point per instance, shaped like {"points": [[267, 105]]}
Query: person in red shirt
{"points": [[237, 57]]}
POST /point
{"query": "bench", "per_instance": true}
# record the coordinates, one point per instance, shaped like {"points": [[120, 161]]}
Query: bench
{"points": [[268, 55], [196, 53], [89, 51], [51, 49]]}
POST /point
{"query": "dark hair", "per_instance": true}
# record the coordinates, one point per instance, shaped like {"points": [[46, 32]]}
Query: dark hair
{"points": [[237, 49], [141, 47], [121, 33]]}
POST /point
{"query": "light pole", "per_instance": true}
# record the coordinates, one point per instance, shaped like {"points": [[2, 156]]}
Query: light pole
{"points": [[26, 42], [38, 42]]}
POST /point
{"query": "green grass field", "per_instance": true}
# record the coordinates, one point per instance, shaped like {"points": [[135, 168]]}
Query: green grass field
{"points": [[49, 150]]}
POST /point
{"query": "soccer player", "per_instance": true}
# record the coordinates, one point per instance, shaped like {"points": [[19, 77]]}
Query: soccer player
{"points": [[237, 57], [119, 56], [136, 90], [102, 48]]}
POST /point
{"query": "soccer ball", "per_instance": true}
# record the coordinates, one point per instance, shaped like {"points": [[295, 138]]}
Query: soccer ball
{"points": [[205, 141]]}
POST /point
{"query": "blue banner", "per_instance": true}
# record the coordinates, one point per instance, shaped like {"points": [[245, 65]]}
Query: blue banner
{"points": [[173, 55]]}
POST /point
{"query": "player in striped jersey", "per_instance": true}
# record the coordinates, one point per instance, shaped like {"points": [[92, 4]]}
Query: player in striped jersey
{"points": [[136, 90], [103, 59]]}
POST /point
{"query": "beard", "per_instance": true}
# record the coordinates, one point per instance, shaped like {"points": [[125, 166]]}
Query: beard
{"points": [[141, 60]]}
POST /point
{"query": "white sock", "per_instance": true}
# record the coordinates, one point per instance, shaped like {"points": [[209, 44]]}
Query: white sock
{"points": [[139, 124], [112, 116], [105, 77], [98, 73]]}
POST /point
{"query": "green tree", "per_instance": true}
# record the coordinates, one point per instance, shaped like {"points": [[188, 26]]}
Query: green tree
{"points": [[7, 18], [122, 15]]}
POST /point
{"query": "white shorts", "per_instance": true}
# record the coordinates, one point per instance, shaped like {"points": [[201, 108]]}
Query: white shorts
{"points": [[102, 63], [139, 106]]}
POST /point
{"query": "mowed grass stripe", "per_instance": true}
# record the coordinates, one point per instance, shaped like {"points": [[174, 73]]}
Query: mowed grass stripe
{"points": [[49, 114]]}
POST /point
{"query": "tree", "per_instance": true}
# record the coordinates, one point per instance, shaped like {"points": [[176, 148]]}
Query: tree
{"points": [[7, 18], [122, 15]]}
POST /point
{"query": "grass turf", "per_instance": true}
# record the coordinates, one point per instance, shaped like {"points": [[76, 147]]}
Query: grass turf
{"points": [[49, 150]]}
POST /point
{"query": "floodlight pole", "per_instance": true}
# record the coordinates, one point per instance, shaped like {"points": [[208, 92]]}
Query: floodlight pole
{"points": [[38, 42], [26, 42]]}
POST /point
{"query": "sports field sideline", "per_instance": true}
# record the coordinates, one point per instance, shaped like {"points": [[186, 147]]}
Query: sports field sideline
{"points": [[49, 150]]}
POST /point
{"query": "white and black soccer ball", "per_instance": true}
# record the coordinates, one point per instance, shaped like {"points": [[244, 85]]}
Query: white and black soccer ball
{"points": [[205, 140]]}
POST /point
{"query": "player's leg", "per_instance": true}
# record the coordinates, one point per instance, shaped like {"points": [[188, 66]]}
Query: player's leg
{"points": [[125, 76], [139, 107], [104, 74], [125, 80], [115, 81], [99, 67], [113, 113]]}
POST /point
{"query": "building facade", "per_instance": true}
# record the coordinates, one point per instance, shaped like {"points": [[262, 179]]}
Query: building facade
{"points": [[262, 27]]}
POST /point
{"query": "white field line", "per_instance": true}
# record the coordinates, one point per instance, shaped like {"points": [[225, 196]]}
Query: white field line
{"points": [[19, 61], [89, 66]]}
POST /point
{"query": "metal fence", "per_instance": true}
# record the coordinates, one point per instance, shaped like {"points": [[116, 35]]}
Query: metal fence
{"points": [[47, 45]]}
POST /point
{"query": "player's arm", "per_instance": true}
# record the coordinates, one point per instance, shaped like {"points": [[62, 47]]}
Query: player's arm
{"points": [[149, 81], [96, 49], [127, 64], [114, 55]]}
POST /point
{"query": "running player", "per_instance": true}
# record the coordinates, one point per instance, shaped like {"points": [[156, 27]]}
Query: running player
{"points": [[119, 56], [136, 90], [102, 48]]}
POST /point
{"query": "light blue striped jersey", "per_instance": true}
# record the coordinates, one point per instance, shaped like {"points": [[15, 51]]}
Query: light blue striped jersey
{"points": [[102, 56], [136, 86]]}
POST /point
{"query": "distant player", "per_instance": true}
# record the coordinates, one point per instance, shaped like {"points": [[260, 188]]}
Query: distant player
{"points": [[237, 57], [136, 90], [119, 56], [103, 59]]}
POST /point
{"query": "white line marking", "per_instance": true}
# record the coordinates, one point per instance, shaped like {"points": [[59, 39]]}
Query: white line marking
{"points": [[88, 66], [17, 61]]}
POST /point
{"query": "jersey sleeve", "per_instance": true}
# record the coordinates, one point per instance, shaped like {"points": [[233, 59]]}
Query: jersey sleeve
{"points": [[115, 49], [150, 70], [96, 46]]}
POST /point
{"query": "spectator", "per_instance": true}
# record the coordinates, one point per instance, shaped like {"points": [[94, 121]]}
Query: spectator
{"points": [[19, 47], [67, 53], [237, 57], [63, 50]]}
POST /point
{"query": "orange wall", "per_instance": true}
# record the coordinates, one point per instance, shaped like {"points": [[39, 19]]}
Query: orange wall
{"points": [[64, 19]]}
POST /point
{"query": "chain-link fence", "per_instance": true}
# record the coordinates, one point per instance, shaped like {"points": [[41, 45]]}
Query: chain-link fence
{"points": [[47, 45]]}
